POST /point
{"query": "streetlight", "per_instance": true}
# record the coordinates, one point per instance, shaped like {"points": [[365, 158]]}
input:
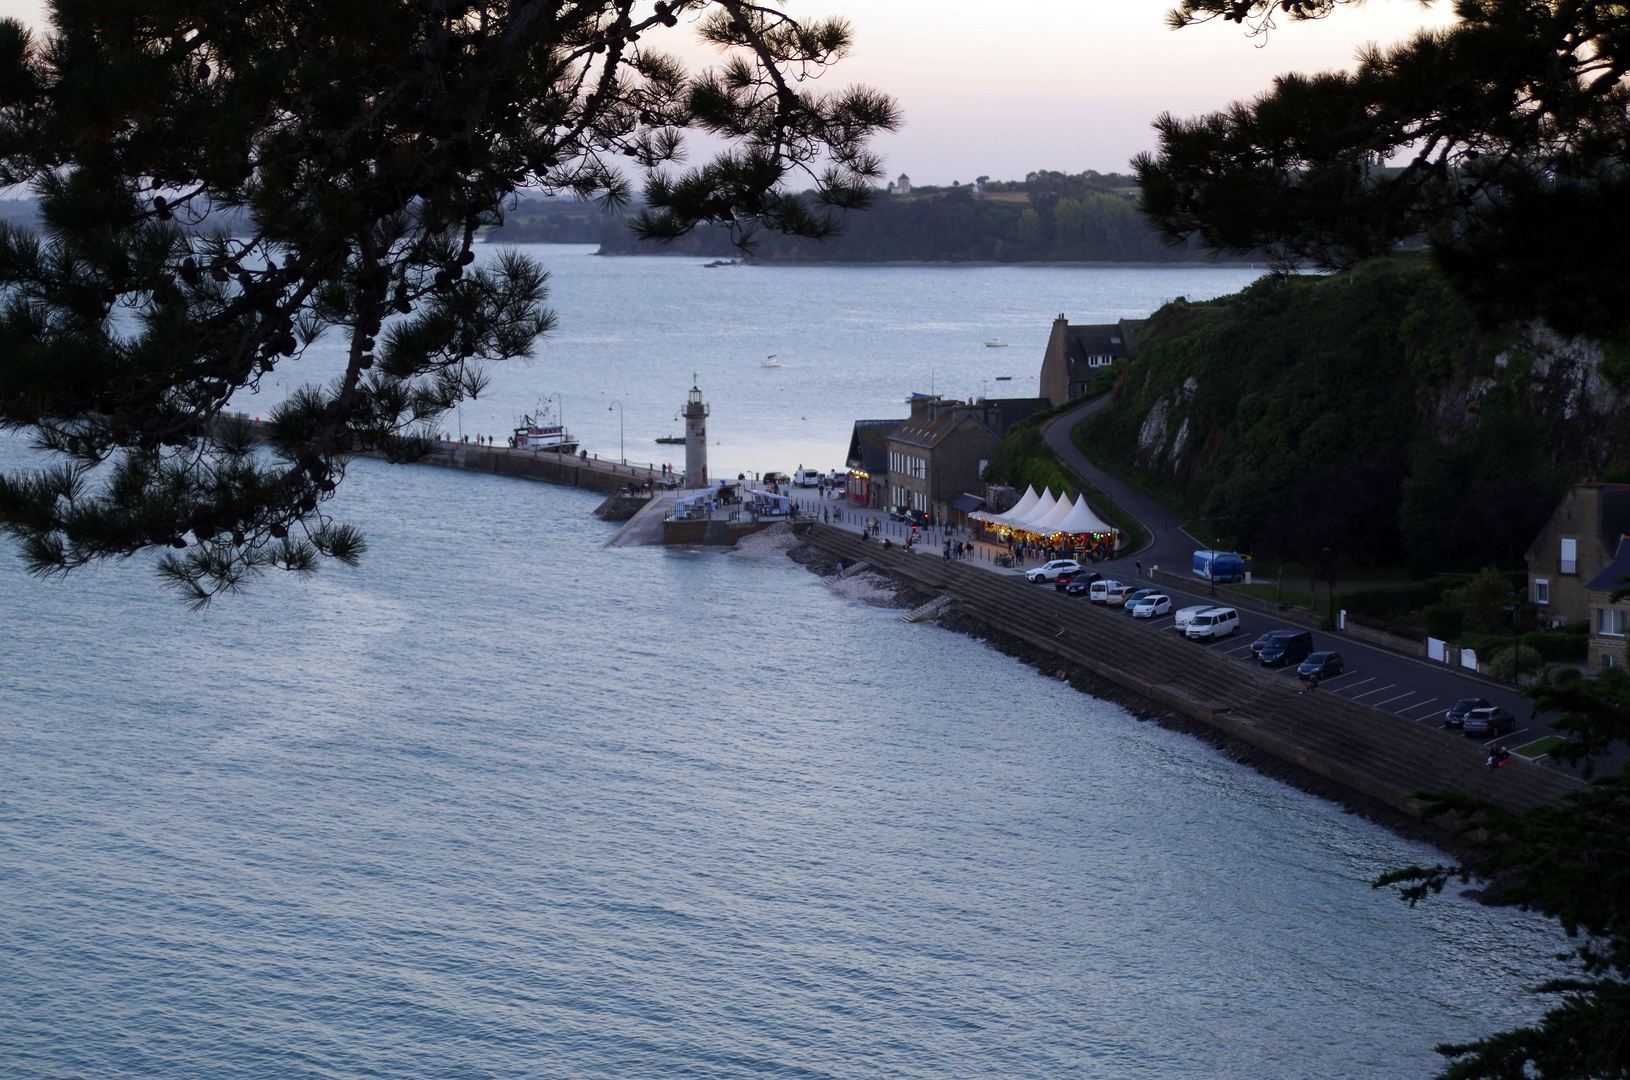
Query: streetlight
{"points": [[1330, 568], [1516, 639], [560, 410], [619, 407]]}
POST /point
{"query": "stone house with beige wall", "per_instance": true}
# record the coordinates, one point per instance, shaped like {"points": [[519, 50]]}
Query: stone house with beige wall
{"points": [[1607, 619], [1575, 546]]}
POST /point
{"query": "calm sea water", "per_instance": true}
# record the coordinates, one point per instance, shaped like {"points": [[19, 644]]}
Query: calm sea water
{"points": [[504, 803], [854, 343]]}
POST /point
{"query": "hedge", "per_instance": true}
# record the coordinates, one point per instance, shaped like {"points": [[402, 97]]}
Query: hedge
{"points": [[1390, 603], [1556, 647]]}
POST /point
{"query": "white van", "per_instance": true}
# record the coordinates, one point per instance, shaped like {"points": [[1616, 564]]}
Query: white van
{"points": [[1099, 592], [1213, 624], [1184, 616], [806, 478]]}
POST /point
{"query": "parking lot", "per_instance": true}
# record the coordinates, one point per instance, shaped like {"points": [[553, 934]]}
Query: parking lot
{"points": [[1410, 688], [1413, 688]]}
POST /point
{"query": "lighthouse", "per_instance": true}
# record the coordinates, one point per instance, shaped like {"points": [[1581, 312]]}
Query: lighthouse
{"points": [[695, 440]]}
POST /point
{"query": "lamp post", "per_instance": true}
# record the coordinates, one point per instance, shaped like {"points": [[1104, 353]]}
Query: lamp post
{"points": [[1330, 569], [619, 407], [560, 410], [1516, 639]]}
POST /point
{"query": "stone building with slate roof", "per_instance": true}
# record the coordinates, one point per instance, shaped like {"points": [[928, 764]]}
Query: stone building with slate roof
{"points": [[937, 455], [1607, 619], [1075, 353], [868, 462], [1575, 546]]}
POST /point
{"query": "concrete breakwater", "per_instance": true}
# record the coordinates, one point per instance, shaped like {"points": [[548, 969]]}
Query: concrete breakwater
{"points": [[1360, 748], [553, 468], [609, 476]]}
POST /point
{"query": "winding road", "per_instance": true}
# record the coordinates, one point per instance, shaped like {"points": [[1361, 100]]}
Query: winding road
{"points": [[1409, 686]]}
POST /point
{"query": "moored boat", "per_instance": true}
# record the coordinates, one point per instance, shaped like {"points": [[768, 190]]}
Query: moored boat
{"points": [[542, 433]]}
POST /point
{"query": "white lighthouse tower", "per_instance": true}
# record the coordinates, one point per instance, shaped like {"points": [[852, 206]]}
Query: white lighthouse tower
{"points": [[695, 440]]}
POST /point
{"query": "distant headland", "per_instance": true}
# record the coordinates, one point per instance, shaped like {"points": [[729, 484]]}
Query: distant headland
{"points": [[1048, 217]]}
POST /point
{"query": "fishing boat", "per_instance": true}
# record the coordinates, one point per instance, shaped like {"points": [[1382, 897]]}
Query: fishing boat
{"points": [[672, 440], [542, 433], [770, 361], [995, 343]]}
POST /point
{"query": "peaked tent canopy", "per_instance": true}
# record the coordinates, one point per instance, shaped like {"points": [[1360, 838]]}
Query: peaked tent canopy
{"points": [[1047, 505], [1047, 524], [1081, 519], [1026, 504]]}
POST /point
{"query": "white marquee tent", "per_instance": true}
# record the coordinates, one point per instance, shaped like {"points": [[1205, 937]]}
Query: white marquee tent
{"points": [[1081, 519], [1020, 509]]}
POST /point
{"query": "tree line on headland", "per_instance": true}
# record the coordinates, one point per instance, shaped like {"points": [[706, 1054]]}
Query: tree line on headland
{"points": [[1046, 217]]}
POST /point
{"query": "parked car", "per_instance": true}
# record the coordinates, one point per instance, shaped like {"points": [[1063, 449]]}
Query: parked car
{"points": [[1086, 577], [1132, 601], [1257, 645], [1151, 606], [1047, 571], [776, 478], [1180, 620], [1457, 712], [806, 477], [1492, 720], [1081, 584], [1100, 589], [1117, 596], [1286, 647], [1211, 624], [1326, 665]]}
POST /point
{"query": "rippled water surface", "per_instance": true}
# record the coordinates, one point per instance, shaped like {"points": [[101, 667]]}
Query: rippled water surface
{"points": [[504, 803]]}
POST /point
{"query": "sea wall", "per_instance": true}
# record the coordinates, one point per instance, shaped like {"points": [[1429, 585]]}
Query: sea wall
{"points": [[543, 465], [1367, 750]]}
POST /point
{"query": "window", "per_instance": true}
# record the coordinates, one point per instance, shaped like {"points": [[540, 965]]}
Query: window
{"points": [[1612, 622], [1569, 563], [1542, 590], [1610, 660]]}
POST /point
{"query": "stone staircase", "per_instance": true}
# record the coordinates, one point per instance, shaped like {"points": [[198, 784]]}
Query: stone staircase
{"points": [[848, 572], [930, 610]]}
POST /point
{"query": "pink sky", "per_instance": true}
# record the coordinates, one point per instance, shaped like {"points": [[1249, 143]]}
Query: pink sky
{"points": [[1002, 89]]}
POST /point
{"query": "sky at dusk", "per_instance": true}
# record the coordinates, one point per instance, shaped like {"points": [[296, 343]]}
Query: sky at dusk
{"points": [[1002, 89]]}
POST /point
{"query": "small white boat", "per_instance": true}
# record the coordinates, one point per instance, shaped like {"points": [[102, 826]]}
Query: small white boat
{"points": [[995, 343], [770, 361]]}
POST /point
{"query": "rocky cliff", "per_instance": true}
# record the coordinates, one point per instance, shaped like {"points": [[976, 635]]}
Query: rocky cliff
{"points": [[1367, 412]]}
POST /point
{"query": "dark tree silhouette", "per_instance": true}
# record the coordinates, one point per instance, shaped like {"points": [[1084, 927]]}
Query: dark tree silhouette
{"points": [[1511, 126], [221, 181]]}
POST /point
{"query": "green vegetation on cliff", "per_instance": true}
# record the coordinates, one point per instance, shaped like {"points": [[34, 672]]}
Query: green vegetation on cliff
{"points": [[1366, 412]]}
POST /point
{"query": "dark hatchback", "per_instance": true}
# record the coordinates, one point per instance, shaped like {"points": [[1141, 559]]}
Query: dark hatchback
{"points": [[1326, 665], [1081, 584], [1063, 581], [1287, 647], [1456, 716]]}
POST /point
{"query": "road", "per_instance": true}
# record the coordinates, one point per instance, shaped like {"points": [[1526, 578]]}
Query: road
{"points": [[1411, 687]]}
